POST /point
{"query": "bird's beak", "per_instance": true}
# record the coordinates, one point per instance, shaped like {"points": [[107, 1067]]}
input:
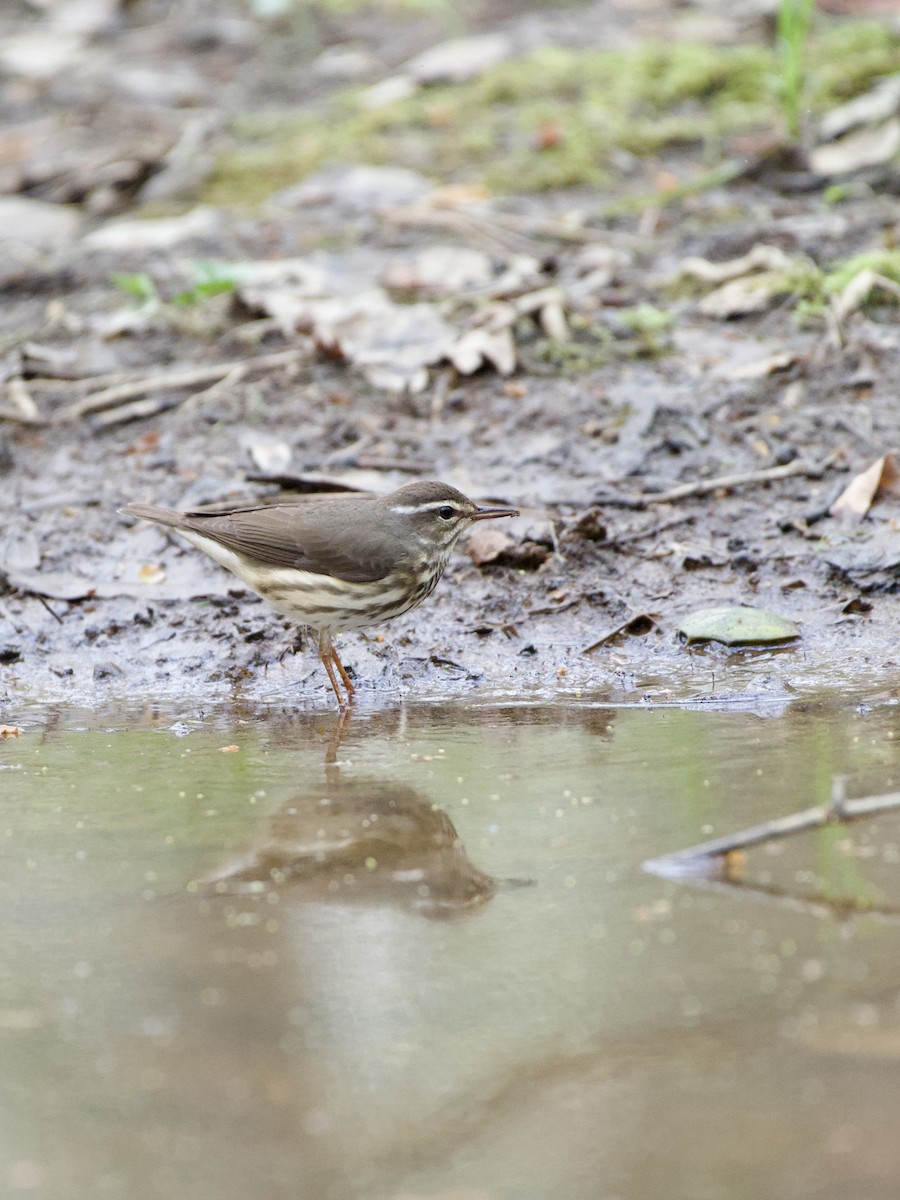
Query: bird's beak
{"points": [[482, 514]]}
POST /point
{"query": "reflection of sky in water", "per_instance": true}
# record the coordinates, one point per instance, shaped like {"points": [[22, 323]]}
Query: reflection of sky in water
{"points": [[597, 1032]]}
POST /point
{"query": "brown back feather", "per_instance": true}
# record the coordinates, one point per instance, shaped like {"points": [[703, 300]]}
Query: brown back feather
{"points": [[333, 536]]}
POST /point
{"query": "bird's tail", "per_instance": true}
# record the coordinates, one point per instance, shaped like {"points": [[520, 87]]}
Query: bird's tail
{"points": [[150, 512]]}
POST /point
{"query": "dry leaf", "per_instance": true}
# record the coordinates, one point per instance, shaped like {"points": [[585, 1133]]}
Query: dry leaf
{"points": [[229, 749], [760, 258], [151, 573], [486, 545], [392, 90], [751, 294], [444, 270], [875, 105], [554, 323], [161, 233], [868, 147], [471, 350], [460, 59], [458, 195], [271, 456], [857, 497], [759, 368]]}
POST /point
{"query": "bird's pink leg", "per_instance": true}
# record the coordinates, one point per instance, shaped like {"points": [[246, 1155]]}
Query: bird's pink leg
{"points": [[327, 655], [351, 690]]}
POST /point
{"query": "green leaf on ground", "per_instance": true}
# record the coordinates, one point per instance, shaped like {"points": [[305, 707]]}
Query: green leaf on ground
{"points": [[738, 626]]}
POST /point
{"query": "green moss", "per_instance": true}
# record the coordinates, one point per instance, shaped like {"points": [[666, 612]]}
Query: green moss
{"points": [[567, 360], [848, 57], [882, 262], [555, 118]]}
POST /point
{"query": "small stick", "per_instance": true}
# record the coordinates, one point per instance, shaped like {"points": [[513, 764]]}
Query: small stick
{"points": [[24, 402], [495, 239], [608, 637], [814, 905], [172, 380], [54, 615], [638, 535], [781, 827], [137, 411], [703, 486]]}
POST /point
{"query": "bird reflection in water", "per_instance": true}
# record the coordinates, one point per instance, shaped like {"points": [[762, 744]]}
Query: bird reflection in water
{"points": [[362, 841]]}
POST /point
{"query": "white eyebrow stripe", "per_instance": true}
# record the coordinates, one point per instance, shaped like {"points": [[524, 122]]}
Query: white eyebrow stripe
{"points": [[428, 506]]}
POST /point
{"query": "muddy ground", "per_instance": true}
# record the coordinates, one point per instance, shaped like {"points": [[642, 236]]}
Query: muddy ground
{"points": [[623, 388]]}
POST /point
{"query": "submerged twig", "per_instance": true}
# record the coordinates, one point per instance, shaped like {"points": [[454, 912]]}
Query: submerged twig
{"points": [[815, 904], [799, 822]]}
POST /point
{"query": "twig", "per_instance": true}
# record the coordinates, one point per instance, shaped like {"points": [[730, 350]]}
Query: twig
{"points": [[54, 615], [814, 905], [702, 487], [80, 383], [781, 827], [623, 628], [221, 385], [494, 238], [139, 410], [24, 410], [638, 535], [188, 377]]}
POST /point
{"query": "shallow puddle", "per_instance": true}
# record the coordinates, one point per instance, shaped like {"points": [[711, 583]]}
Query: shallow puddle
{"points": [[241, 959]]}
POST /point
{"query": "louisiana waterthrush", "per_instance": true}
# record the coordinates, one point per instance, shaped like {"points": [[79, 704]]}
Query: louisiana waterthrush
{"points": [[335, 562]]}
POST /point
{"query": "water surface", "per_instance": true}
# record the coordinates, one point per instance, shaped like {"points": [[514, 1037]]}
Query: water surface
{"points": [[241, 959]]}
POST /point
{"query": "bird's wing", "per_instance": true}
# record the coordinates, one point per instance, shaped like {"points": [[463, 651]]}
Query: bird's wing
{"points": [[301, 535]]}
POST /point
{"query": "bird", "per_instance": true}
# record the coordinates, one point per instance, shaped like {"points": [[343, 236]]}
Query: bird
{"points": [[334, 562]]}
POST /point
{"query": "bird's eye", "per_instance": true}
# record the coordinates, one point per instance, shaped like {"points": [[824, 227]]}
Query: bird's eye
{"points": [[446, 512]]}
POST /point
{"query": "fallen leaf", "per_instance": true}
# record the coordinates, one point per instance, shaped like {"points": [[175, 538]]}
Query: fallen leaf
{"points": [[740, 297], [868, 147], [356, 189], [151, 573], [636, 626], [460, 59], [858, 496], [759, 368], [392, 90], [738, 626], [857, 605], [161, 233], [486, 545], [458, 195], [272, 456], [554, 323], [471, 350], [19, 551], [229, 749], [881, 102], [761, 258], [442, 269], [870, 561]]}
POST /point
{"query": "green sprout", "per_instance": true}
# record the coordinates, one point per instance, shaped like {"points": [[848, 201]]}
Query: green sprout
{"points": [[794, 22], [138, 285], [210, 279]]}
